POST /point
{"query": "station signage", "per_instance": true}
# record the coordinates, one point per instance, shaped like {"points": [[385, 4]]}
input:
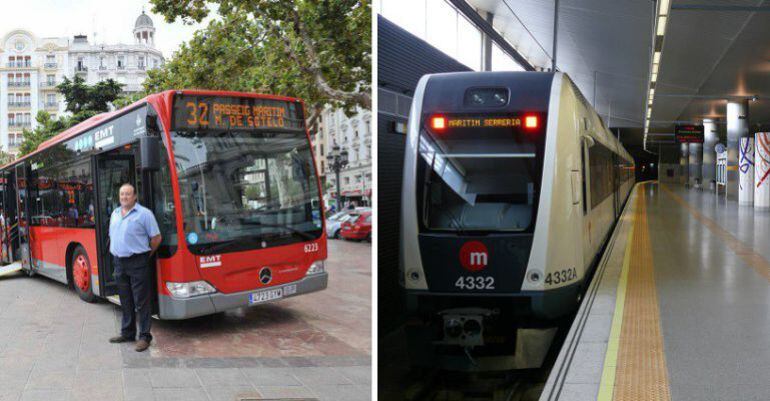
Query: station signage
{"points": [[226, 112], [477, 122], [689, 133]]}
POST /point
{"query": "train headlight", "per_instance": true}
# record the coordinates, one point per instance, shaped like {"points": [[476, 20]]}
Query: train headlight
{"points": [[191, 289], [438, 123], [316, 268], [530, 122]]}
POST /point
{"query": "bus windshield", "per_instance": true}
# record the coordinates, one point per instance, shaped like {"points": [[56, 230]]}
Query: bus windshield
{"points": [[246, 189]]}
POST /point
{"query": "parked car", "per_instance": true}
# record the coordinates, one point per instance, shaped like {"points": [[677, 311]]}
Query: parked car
{"points": [[333, 223], [357, 227]]}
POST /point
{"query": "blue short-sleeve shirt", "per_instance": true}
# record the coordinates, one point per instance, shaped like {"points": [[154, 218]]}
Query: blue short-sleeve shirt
{"points": [[130, 234]]}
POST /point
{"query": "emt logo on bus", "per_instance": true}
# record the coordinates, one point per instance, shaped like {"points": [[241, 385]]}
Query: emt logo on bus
{"points": [[474, 256], [211, 261]]}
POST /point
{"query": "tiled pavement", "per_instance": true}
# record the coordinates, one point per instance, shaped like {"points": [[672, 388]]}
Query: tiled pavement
{"points": [[54, 347]]}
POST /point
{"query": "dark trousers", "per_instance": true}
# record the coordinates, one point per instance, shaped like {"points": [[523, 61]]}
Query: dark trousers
{"points": [[132, 275]]}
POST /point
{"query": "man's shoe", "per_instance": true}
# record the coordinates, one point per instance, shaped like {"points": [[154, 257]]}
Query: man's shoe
{"points": [[120, 339], [142, 345]]}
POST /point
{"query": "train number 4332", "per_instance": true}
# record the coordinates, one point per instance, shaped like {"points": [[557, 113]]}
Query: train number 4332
{"points": [[561, 276], [475, 283]]}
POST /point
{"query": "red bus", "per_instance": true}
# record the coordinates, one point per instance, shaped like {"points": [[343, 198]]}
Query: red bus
{"points": [[229, 176]]}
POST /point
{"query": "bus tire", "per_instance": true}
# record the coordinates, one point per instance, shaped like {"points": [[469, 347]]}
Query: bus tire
{"points": [[81, 274]]}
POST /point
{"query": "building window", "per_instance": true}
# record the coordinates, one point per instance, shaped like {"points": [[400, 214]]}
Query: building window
{"points": [[121, 62], [50, 99], [50, 80], [140, 62]]}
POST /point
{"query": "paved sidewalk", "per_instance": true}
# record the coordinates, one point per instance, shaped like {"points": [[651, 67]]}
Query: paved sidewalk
{"points": [[54, 347]]}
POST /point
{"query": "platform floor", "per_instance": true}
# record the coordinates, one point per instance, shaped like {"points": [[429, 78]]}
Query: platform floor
{"points": [[680, 309]]}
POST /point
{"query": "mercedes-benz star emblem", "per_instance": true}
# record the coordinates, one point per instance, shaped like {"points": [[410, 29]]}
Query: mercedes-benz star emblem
{"points": [[265, 275]]}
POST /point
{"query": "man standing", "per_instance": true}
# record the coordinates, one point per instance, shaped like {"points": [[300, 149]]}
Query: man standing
{"points": [[134, 236]]}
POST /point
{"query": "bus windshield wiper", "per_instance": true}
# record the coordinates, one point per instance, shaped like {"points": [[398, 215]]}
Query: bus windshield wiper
{"points": [[292, 230]]}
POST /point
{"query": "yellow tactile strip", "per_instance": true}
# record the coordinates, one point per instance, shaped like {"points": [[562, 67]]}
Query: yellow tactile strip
{"points": [[746, 253], [641, 373], [635, 362]]}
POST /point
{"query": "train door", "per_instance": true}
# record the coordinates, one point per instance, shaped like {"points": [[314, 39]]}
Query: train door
{"points": [[113, 169], [585, 145], [23, 215]]}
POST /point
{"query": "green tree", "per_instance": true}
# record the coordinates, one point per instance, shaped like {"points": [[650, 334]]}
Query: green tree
{"points": [[5, 158], [83, 101], [319, 51], [46, 128], [81, 97]]}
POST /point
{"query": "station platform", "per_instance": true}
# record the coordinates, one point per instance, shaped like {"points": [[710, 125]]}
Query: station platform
{"points": [[679, 308]]}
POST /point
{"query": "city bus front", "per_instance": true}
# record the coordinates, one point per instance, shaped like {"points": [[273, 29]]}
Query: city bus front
{"points": [[248, 195]]}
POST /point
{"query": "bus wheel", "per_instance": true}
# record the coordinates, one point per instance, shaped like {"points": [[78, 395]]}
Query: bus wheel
{"points": [[81, 274]]}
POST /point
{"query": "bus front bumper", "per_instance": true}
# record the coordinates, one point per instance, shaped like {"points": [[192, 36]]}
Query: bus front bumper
{"points": [[175, 309]]}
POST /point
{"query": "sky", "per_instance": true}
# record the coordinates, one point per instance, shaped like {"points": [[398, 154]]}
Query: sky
{"points": [[111, 20]]}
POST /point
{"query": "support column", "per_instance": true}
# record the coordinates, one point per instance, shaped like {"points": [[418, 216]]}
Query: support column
{"points": [[761, 171], [684, 161], [710, 139], [696, 164], [737, 127], [746, 171]]}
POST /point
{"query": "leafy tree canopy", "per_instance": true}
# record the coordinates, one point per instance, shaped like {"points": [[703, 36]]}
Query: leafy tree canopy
{"points": [[80, 96], [319, 51]]}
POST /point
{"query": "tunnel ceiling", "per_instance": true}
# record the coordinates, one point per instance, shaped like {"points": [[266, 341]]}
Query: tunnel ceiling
{"points": [[605, 44]]}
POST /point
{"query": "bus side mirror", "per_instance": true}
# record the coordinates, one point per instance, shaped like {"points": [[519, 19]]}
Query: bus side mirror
{"points": [[152, 125], [150, 152]]}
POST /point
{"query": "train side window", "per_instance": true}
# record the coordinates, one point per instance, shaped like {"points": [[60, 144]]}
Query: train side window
{"points": [[584, 170]]}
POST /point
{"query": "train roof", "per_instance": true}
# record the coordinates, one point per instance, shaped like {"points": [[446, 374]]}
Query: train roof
{"points": [[162, 101]]}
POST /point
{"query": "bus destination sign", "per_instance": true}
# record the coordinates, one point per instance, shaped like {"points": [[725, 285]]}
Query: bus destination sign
{"points": [[215, 113], [688, 133]]}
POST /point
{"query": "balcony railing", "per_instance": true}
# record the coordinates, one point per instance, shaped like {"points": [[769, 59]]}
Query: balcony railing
{"points": [[50, 65], [102, 67], [19, 124], [17, 84], [81, 68], [51, 105], [48, 84], [121, 67], [19, 64], [141, 67], [19, 104]]}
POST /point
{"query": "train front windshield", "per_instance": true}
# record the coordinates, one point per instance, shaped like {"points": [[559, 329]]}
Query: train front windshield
{"points": [[479, 174], [246, 188]]}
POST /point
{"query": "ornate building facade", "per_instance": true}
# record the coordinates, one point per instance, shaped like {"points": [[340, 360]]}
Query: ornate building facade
{"points": [[31, 67]]}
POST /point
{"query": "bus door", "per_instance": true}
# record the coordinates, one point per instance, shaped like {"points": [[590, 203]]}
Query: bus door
{"points": [[113, 169], [11, 215], [22, 252]]}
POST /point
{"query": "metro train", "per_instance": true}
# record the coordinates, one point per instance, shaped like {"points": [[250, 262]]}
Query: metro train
{"points": [[512, 185]]}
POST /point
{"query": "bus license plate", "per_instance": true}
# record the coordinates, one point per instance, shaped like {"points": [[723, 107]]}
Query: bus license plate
{"points": [[266, 295]]}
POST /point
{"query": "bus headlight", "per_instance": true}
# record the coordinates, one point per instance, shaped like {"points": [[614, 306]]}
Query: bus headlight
{"points": [[191, 289], [316, 268]]}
